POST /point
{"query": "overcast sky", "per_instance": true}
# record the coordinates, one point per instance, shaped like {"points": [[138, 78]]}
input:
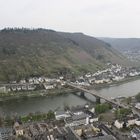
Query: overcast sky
{"points": [[108, 18]]}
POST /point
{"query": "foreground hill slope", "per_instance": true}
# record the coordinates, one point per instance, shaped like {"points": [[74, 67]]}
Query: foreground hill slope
{"points": [[25, 53]]}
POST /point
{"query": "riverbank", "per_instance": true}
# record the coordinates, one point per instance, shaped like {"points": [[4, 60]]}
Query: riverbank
{"points": [[32, 94], [24, 106], [105, 85], [61, 91]]}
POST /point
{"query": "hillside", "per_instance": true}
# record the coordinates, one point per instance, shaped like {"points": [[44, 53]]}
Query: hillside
{"points": [[128, 46], [25, 53], [98, 49]]}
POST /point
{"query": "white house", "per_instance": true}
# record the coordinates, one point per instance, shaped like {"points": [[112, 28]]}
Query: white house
{"points": [[48, 80], [48, 86], [131, 121], [94, 119], [106, 80], [14, 88], [18, 129], [61, 77], [137, 105], [92, 110], [88, 75], [19, 88], [61, 115], [63, 83], [119, 124], [3, 89], [24, 87], [99, 81], [31, 87], [91, 80], [41, 79], [76, 120], [36, 80], [137, 122], [30, 80], [133, 74], [23, 81], [118, 78]]}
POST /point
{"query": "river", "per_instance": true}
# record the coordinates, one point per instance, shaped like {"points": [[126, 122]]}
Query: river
{"points": [[43, 104]]}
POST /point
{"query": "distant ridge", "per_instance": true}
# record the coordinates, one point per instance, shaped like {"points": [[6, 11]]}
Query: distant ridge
{"points": [[122, 44], [127, 46]]}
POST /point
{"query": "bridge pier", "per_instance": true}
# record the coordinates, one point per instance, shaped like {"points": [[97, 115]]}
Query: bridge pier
{"points": [[82, 94], [98, 100]]}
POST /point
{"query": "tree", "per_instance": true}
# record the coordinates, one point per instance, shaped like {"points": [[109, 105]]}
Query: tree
{"points": [[122, 113], [128, 100], [101, 108], [1, 121], [101, 117], [137, 97], [66, 107], [50, 115], [8, 120]]}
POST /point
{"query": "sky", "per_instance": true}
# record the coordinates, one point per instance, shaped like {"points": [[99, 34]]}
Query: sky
{"points": [[100, 18]]}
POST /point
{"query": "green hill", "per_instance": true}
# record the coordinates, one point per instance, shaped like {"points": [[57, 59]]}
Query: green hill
{"points": [[25, 52]]}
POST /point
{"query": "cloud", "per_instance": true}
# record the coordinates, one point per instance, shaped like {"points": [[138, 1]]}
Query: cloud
{"points": [[118, 18]]}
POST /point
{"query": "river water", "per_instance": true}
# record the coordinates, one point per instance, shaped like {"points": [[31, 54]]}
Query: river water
{"points": [[43, 104]]}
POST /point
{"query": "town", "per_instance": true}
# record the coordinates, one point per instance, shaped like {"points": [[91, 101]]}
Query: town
{"points": [[114, 73], [103, 121], [69, 70], [100, 122]]}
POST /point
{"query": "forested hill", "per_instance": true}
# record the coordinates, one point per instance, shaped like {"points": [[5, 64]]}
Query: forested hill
{"points": [[25, 52]]}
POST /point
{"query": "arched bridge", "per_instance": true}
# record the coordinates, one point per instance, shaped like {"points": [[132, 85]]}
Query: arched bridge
{"points": [[97, 95]]}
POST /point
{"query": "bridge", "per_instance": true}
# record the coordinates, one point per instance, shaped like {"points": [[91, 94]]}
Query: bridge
{"points": [[97, 95]]}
